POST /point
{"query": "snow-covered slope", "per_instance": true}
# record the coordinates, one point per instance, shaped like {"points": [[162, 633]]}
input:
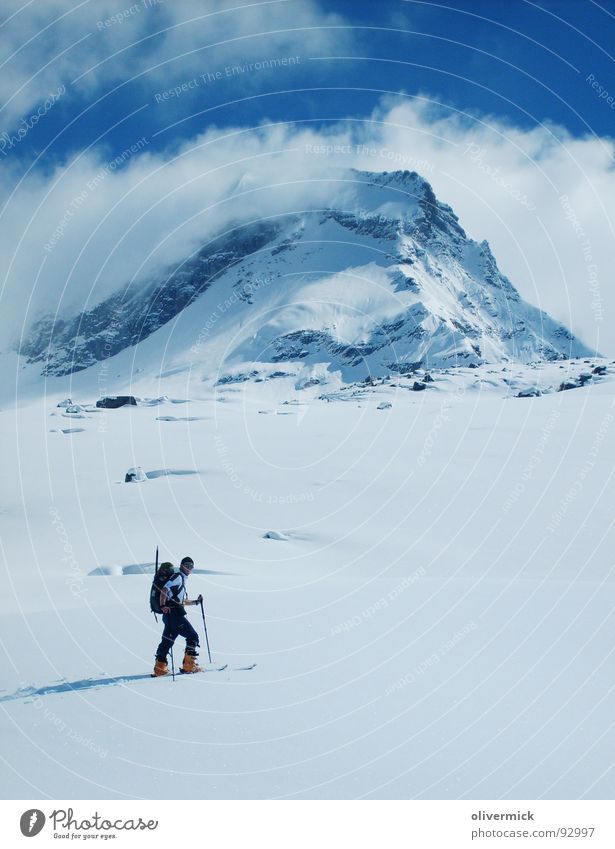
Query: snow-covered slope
{"points": [[385, 281], [432, 617]]}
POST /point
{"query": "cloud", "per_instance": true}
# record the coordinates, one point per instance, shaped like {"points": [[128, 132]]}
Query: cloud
{"points": [[543, 199], [72, 237], [89, 47]]}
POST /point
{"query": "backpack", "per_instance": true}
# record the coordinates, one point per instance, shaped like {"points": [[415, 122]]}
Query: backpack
{"points": [[164, 574]]}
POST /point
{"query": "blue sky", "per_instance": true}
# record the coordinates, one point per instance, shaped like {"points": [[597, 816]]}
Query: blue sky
{"points": [[125, 129], [525, 62]]}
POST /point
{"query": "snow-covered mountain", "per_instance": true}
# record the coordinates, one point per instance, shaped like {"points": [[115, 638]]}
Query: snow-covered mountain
{"points": [[418, 566], [383, 281]]}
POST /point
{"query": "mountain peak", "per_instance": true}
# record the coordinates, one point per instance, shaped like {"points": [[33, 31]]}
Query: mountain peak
{"points": [[404, 196], [383, 281]]}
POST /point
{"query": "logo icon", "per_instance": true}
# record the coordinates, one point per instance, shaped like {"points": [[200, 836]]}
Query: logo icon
{"points": [[32, 822]]}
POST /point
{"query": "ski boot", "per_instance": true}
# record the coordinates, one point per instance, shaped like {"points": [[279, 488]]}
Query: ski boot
{"points": [[161, 667], [190, 665]]}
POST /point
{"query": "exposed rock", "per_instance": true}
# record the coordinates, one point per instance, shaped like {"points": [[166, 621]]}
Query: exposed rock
{"points": [[242, 377], [112, 402]]}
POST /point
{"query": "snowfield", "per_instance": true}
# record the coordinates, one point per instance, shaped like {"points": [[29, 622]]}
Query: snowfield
{"points": [[426, 587]]}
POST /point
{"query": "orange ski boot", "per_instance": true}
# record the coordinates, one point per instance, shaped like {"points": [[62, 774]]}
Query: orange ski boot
{"points": [[190, 665], [161, 667]]}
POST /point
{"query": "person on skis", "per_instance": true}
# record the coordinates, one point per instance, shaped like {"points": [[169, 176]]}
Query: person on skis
{"points": [[173, 601]]}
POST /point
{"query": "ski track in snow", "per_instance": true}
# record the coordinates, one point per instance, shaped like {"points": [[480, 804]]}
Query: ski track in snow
{"points": [[431, 616]]}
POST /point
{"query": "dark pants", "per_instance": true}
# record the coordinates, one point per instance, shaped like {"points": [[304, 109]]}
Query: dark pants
{"points": [[174, 627]]}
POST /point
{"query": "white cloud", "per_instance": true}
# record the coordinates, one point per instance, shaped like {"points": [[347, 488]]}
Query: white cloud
{"points": [[49, 43], [69, 239], [544, 200], [505, 184]]}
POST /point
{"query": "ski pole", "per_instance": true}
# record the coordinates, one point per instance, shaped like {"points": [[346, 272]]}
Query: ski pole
{"points": [[205, 628], [172, 664], [155, 573]]}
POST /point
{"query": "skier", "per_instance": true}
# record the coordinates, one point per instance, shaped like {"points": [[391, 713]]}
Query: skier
{"points": [[173, 601]]}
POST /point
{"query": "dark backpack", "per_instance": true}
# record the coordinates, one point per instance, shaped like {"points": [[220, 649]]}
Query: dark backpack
{"points": [[164, 574]]}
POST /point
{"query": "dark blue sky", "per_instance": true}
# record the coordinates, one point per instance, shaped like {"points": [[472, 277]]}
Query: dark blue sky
{"points": [[526, 62]]}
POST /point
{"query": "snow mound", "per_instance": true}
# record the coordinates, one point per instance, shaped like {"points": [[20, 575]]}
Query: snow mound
{"points": [[278, 535], [135, 475], [115, 570], [181, 418], [106, 571]]}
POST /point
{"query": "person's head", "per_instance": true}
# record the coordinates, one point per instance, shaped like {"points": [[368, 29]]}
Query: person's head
{"points": [[187, 565]]}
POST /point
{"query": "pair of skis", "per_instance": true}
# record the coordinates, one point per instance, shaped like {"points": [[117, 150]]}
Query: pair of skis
{"points": [[208, 669], [222, 668]]}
